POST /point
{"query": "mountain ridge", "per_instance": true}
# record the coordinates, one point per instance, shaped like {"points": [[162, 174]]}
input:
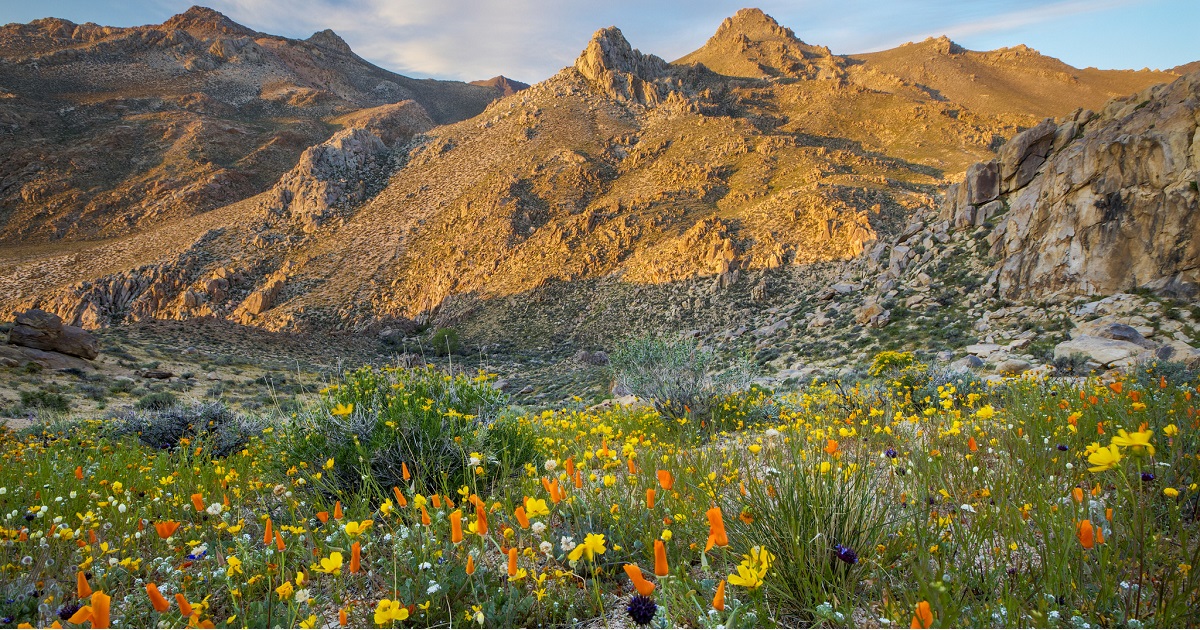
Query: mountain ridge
{"points": [[620, 168]]}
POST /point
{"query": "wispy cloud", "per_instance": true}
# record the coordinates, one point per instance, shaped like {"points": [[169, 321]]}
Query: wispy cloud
{"points": [[532, 39]]}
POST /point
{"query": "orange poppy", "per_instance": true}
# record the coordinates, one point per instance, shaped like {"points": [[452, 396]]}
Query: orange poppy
{"points": [[323, 517], [481, 522], [268, 532], [665, 479], [456, 533], [512, 561], [166, 529], [1077, 493], [470, 565], [643, 586], [972, 444], [1086, 534], [716, 527], [404, 471], [198, 502], [343, 618], [660, 559], [279, 541], [436, 501], [159, 602], [522, 519], [923, 618], [650, 498], [719, 597], [82, 588], [400, 500], [831, 446], [184, 606], [425, 516], [570, 466], [337, 511], [356, 557], [79, 473], [1117, 386]]}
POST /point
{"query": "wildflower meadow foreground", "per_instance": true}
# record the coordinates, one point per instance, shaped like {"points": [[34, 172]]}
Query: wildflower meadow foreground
{"points": [[912, 497]]}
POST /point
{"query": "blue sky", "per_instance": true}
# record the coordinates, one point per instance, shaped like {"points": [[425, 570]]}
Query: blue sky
{"points": [[532, 39]]}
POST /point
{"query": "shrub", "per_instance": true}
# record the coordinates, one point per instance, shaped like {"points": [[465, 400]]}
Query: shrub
{"points": [[211, 424], [445, 341], [49, 401], [157, 401], [1073, 365], [678, 377], [890, 361], [444, 429]]}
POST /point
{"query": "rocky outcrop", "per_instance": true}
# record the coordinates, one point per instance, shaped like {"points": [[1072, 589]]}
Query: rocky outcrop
{"points": [[350, 167], [619, 70], [1098, 203], [41, 330]]}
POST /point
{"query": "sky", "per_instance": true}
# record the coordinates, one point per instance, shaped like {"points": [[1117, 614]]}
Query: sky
{"points": [[530, 40]]}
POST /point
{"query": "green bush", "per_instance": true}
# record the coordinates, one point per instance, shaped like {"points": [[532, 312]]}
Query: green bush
{"points": [[678, 377], [445, 341], [157, 401], [49, 401], [376, 422]]}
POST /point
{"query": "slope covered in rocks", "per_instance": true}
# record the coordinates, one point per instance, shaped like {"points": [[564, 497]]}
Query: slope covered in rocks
{"points": [[105, 131]]}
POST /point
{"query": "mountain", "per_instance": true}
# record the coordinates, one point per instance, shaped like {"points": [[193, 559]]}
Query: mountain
{"points": [[1017, 81], [106, 131], [624, 193], [502, 84]]}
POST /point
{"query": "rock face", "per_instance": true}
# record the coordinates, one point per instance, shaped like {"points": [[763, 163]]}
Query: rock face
{"points": [[623, 72], [1099, 203], [348, 168], [40, 330]]}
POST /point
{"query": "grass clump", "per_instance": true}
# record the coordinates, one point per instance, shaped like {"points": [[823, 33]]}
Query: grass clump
{"points": [[212, 424]]}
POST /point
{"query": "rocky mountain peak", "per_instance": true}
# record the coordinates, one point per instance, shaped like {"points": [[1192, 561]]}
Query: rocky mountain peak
{"points": [[330, 40], [206, 20], [620, 70], [753, 25], [609, 52]]}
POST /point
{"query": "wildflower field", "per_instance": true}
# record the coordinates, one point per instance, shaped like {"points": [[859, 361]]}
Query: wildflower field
{"points": [[412, 498]]}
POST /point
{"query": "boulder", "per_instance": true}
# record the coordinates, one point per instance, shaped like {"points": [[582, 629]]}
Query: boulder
{"points": [[1175, 350], [872, 314], [982, 182], [1113, 330], [1013, 367], [41, 330], [1103, 351], [969, 362], [13, 356]]}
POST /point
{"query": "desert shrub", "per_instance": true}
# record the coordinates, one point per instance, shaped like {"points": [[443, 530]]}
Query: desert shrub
{"points": [[889, 362], [45, 400], [157, 401], [933, 382], [1151, 374], [448, 431], [678, 377], [445, 341], [212, 425], [1072, 365]]}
